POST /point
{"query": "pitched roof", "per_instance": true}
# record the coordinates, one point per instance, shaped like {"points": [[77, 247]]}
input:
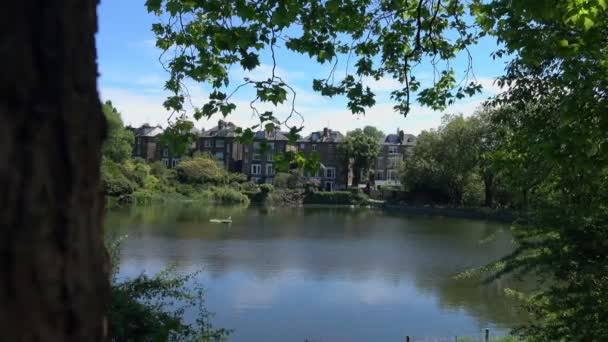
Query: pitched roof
{"points": [[326, 135], [223, 129], [146, 130], [274, 136], [393, 139]]}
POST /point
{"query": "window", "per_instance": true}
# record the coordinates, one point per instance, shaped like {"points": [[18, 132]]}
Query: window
{"points": [[328, 186], [219, 143], [269, 157], [391, 175], [393, 149], [256, 156], [271, 146], [316, 136], [165, 151], [207, 143], [256, 169], [174, 162], [269, 169], [166, 162], [314, 147], [302, 146], [256, 145], [330, 172], [219, 155], [379, 175]]}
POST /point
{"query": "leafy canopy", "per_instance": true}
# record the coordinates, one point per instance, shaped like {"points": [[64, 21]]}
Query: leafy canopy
{"points": [[119, 142], [203, 40]]}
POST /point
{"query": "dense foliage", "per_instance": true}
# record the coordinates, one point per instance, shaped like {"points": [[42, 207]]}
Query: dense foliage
{"points": [[360, 149], [554, 150], [152, 308], [198, 178], [119, 141]]}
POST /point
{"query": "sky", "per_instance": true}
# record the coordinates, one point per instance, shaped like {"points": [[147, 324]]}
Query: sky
{"points": [[132, 77]]}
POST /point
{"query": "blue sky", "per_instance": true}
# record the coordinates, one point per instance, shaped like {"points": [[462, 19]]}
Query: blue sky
{"points": [[132, 77]]}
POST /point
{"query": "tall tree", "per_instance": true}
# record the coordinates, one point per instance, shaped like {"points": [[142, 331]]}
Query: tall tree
{"points": [[361, 149], [55, 281], [445, 160], [119, 143]]}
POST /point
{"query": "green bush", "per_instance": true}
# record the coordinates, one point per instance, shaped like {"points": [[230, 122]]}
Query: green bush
{"points": [[151, 308], [266, 188], [226, 195], [249, 187], [200, 170], [117, 186], [235, 177]]}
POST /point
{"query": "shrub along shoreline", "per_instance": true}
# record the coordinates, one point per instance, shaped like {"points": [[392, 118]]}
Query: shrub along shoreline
{"points": [[200, 179]]}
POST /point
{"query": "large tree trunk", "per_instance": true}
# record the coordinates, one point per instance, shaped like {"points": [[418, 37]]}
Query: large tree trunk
{"points": [[54, 282]]}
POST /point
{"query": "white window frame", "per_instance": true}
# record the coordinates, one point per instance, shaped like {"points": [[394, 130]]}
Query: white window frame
{"points": [[393, 149], [256, 156], [175, 161], [391, 175], [166, 162], [269, 169], [331, 174], [219, 143], [165, 151], [256, 169], [314, 147], [302, 146], [270, 157]]}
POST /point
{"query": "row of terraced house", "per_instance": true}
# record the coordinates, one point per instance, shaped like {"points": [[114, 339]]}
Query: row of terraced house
{"points": [[258, 163]]}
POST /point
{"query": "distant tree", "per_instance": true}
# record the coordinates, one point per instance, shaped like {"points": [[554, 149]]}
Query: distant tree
{"points": [[179, 137], [374, 132], [444, 160], [119, 143], [361, 149]]}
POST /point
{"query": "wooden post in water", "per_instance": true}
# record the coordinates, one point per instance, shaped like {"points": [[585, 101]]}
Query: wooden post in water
{"points": [[487, 335], [407, 339]]}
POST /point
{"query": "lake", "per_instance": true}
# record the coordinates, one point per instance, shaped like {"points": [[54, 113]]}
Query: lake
{"points": [[325, 274]]}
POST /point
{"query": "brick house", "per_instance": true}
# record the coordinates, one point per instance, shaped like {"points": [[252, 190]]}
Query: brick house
{"points": [[334, 174], [394, 149], [146, 142], [148, 146], [220, 142], [258, 165]]}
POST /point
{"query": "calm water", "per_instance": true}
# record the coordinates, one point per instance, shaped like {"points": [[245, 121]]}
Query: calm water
{"points": [[330, 274]]}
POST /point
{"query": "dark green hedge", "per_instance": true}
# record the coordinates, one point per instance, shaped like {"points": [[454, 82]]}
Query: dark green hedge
{"points": [[335, 197]]}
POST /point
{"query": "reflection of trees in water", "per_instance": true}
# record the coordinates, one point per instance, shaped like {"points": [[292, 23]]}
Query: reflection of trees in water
{"points": [[330, 244]]}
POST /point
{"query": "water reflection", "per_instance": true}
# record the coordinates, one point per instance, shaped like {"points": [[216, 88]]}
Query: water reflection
{"points": [[330, 274]]}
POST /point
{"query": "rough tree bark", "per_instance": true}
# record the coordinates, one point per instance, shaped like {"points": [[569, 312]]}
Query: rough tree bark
{"points": [[53, 268]]}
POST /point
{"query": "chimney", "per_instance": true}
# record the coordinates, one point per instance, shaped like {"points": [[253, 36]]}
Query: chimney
{"points": [[401, 136], [220, 124], [326, 132]]}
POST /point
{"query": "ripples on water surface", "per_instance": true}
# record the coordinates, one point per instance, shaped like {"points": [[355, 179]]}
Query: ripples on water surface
{"points": [[329, 274]]}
